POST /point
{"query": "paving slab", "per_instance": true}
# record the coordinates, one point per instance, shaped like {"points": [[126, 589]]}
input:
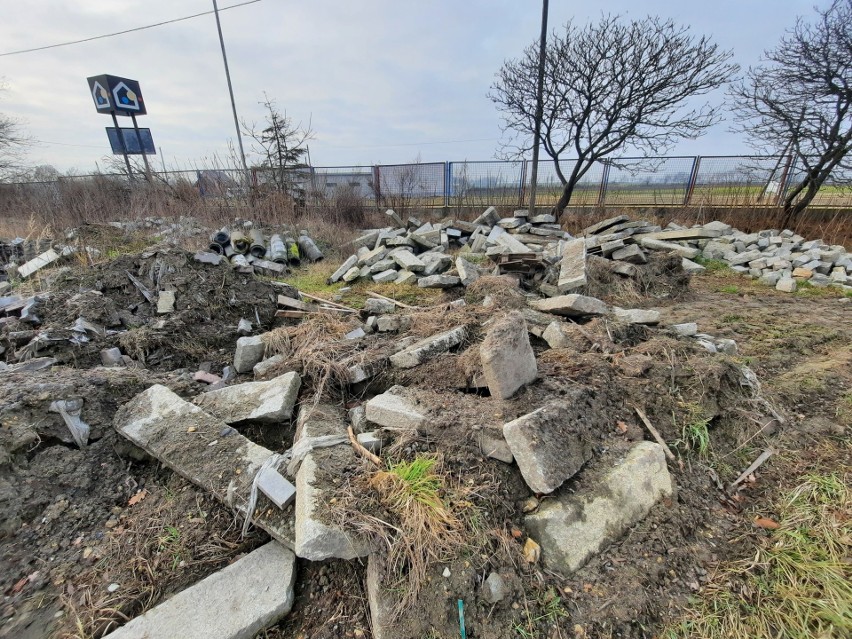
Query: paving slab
{"points": [[236, 602], [394, 410], [508, 360], [428, 348], [572, 305], [204, 450], [572, 266]]}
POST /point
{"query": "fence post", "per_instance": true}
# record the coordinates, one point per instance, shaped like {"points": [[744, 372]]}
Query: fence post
{"points": [[604, 182], [522, 195], [377, 186], [693, 178], [448, 176]]}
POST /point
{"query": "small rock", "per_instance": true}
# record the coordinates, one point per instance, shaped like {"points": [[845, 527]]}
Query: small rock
{"points": [[244, 327], [494, 588], [532, 551]]}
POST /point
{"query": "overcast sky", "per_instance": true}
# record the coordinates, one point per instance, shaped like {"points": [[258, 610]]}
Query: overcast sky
{"points": [[381, 80]]}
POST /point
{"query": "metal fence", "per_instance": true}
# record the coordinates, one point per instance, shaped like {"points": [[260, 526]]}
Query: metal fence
{"points": [[654, 181]]}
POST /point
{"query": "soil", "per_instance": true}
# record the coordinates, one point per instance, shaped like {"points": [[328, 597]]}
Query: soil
{"points": [[73, 523]]}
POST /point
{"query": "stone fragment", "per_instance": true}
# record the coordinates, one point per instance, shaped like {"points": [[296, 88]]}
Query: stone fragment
{"points": [[379, 306], [679, 249], [230, 596], [263, 368], [551, 444], [205, 377], [681, 234], [468, 273], [558, 335], [272, 484], [691, 267], [576, 526], [488, 218], [352, 274], [350, 262], [493, 444], [395, 218], [771, 278], [572, 266], [265, 402], [428, 348], [688, 329], [438, 281], [244, 327], [435, 263], [316, 539], [804, 273], [572, 305], [406, 277], [508, 360], [111, 357], [372, 441], [594, 229], [632, 254], [727, 346], [207, 257], [786, 285], [494, 588], [394, 411], [190, 441], [166, 302], [743, 258], [408, 261], [389, 275], [636, 315], [250, 351]]}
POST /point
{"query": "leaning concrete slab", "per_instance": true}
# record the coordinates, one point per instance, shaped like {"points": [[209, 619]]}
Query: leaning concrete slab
{"points": [[428, 348], [249, 352], [551, 444], [316, 539], [572, 268], [236, 602], [266, 402], [205, 451], [576, 526], [508, 360]]}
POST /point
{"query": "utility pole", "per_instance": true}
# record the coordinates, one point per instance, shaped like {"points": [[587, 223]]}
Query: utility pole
{"points": [[231, 92], [539, 105]]}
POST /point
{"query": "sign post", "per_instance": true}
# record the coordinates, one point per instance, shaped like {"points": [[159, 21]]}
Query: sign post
{"points": [[116, 96]]}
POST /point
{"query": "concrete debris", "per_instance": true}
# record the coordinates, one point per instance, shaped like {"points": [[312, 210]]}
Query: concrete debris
{"points": [[250, 351], [267, 402], [394, 410], [494, 588], [572, 267], [231, 597], [262, 369], [112, 357], [550, 444], [427, 348], [573, 305], [574, 527], [493, 444], [637, 316], [166, 302], [508, 360]]}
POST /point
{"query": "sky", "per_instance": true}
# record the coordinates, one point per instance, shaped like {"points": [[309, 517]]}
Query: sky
{"points": [[380, 81]]}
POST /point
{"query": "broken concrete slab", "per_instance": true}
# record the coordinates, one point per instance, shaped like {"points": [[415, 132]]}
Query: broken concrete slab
{"points": [[389, 275], [550, 444], [679, 249], [205, 451], [263, 368], [687, 329], [691, 267], [267, 402], [468, 273], [230, 596], [594, 229], [428, 348], [112, 357], [636, 315], [438, 281], [350, 262], [576, 526], [631, 254], [379, 306], [508, 360], [572, 305], [681, 234], [408, 261], [250, 351], [166, 302], [493, 444], [572, 267], [394, 410], [315, 538], [489, 217], [38, 263]]}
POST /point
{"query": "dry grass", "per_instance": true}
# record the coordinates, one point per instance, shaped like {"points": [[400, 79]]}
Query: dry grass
{"points": [[798, 585], [170, 540]]}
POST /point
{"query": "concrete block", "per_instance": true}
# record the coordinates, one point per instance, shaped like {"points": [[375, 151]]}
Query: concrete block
{"points": [[380, 266], [682, 234], [249, 352], [508, 360], [351, 261], [595, 229], [550, 444], [786, 285], [166, 302], [493, 445], [428, 348], [688, 329], [236, 602], [688, 252], [371, 257], [438, 281], [112, 357], [272, 484], [572, 305], [744, 258], [316, 539], [389, 275], [191, 442], [572, 266], [406, 277], [352, 274], [691, 267], [379, 307], [770, 279], [435, 263], [574, 527], [489, 217], [636, 315], [803, 273], [394, 410], [267, 402], [263, 368], [468, 273], [631, 254], [409, 262]]}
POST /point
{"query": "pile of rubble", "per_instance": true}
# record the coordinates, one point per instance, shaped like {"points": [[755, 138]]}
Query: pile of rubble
{"points": [[537, 251]]}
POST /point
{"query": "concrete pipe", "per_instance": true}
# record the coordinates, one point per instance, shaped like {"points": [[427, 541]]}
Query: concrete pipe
{"points": [[257, 247], [240, 242], [309, 249], [277, 250], [293, 256]]}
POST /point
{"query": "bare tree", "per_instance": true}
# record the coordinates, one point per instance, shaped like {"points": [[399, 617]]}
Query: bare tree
{"points": [[12, 143], [281, 146], [799, 101], [608, 86]]}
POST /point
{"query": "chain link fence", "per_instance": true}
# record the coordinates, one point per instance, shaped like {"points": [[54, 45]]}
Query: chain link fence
{"points": [[735, 181]]}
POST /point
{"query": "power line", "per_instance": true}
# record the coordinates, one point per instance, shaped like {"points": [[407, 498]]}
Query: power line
{"points": [[117, 33], [84, 146], [383, 146]]}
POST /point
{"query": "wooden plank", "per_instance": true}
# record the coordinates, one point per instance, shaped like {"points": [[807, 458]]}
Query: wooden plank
{"points": [[292, 314], [299, 305]]}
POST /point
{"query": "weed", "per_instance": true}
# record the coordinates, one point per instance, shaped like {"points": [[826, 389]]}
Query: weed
{"points": [[730, 288], [799, 584], [732, 318], [550, 612], [713, 266], [844, 408], [695, 432]]}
